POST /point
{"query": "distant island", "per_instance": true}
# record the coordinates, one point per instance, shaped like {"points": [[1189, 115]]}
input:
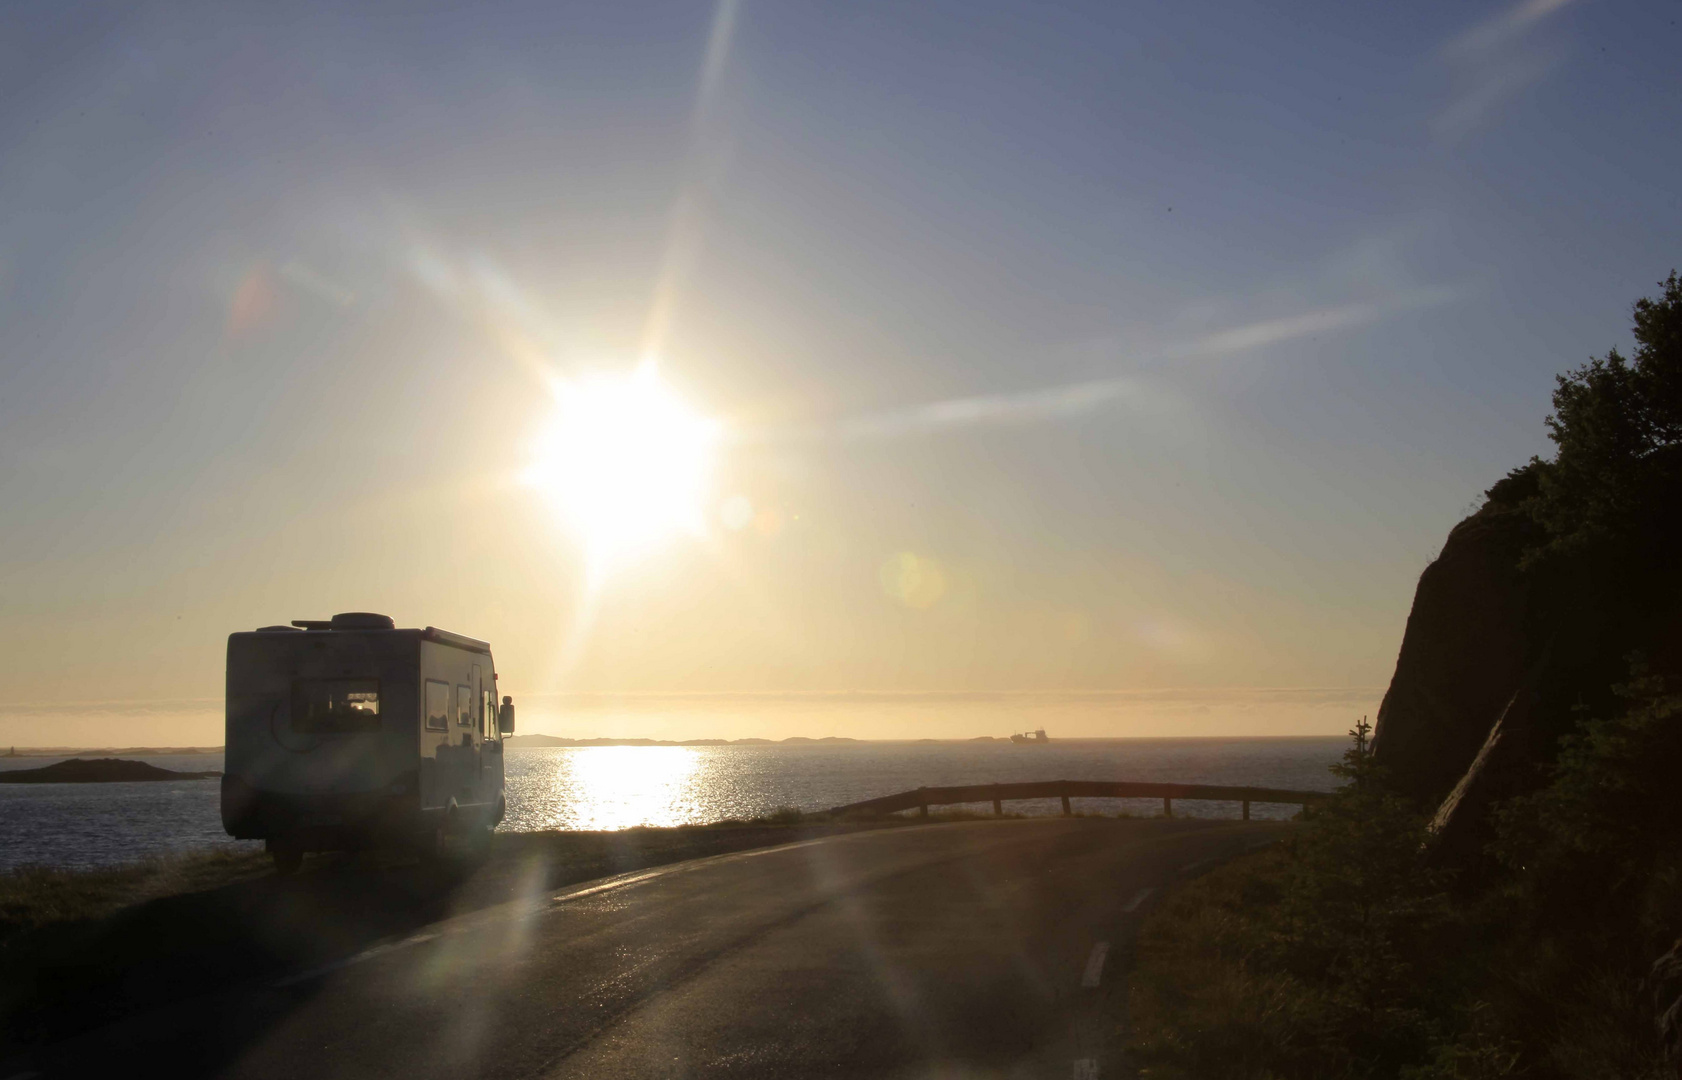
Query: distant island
{"points": [[97, 771], [552, 740]]}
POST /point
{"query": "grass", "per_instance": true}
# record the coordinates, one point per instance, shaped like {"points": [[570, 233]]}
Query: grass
{"points": [[1197, 1005], [34, 897], [1265, 969], [1214, 995]]}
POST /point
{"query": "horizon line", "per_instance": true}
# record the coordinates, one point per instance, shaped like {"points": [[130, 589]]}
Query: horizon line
{"points": [[638, 740], [776, 695]]}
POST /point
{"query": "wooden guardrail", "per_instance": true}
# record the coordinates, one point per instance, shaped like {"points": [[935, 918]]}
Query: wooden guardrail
{"points": [[998, 794]]}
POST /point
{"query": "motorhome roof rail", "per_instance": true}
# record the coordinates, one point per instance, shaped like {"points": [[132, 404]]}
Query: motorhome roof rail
{"points": [[444, 637]]}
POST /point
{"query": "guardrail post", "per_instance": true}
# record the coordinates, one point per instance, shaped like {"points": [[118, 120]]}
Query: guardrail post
{"points": [[1167, 806], [1066, 811], [1246, 809], [998, 806], [922, 803]]}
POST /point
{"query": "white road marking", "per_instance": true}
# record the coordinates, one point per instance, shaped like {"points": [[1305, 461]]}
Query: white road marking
{"points": [[1198, 865], [1086, 1069], [1138, 898], [637, 878], [1095, 965], [365, 954], [616, 883]]}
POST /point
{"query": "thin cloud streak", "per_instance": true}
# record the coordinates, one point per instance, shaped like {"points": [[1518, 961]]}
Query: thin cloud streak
{"points": [[1031, 406], [1495, 62], [1272, 331], [1074, 399], [1503, 28], [1492, 89], [1266, 332]]}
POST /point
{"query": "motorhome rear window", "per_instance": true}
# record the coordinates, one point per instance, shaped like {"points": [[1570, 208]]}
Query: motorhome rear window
{"points": [[324, 706], [437, 705]]}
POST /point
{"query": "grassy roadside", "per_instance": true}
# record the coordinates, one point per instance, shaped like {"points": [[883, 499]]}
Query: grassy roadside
{"points": [[1230, 982], [79, 949], [33, 898], [1345, 952]]}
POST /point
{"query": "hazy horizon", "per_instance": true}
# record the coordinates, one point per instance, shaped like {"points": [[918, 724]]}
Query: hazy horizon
{"points": [[794, 349], [1298, 711]]}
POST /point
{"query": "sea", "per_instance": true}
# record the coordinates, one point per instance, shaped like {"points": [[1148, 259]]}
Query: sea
{"points": [[83, 826]]}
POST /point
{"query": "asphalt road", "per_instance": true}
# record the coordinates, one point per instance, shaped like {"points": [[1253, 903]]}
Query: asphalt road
{"points": [[955, 950]]}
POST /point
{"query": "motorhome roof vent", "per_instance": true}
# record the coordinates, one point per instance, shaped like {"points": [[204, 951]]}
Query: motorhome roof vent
{"points": [[363, 620], [272, 629]]}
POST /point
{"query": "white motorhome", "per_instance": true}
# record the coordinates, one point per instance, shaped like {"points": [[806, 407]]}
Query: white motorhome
{"points": [[349, 733]]}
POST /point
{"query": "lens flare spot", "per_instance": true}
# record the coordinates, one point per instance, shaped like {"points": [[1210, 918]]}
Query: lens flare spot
{"points": [[736, 513], [913, 580], [253, 304]]}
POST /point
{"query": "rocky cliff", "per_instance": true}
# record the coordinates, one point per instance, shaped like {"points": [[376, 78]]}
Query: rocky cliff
{"points": [[1502, 656], [1463, 656]]}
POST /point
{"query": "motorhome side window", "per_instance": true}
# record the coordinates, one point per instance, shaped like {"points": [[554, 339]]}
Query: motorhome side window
{"points": [[328, 706], [437, 705], [464, 705]]}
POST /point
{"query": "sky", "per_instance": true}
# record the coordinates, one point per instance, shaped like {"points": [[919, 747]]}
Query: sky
{"points": [[1112, 366]]}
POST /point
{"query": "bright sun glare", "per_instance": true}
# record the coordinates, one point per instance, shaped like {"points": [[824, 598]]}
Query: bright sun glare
{"points": [[625, 460]]}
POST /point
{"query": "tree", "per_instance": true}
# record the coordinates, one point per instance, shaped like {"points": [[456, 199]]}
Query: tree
{"points": [[1618, 424]]}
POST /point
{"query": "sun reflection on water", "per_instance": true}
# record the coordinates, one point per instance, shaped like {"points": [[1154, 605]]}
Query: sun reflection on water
{"points": [[616, 787]]}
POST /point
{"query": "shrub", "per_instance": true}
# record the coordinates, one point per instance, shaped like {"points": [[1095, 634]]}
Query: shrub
{"points": [[1320, 958]]}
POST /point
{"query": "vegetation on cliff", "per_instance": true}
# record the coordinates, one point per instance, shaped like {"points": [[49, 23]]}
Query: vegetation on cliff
{"points": [[1345, 952], [1362, 947], [1616, 423]]}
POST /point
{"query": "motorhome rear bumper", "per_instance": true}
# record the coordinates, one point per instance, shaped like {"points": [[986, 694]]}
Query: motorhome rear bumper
{"points": [[329, 819]]}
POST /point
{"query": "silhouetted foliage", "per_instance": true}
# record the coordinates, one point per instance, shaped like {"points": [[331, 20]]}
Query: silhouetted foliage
{"points": [[1610, 811], [1613, 423], [1342, 953], [1358, 904], [1320, 959]]}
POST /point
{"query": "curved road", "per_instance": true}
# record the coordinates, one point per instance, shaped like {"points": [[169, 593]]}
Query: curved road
{"points": [[953, 950]]}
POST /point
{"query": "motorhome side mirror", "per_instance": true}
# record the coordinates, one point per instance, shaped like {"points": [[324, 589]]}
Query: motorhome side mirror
{"points": [[505, 717]]}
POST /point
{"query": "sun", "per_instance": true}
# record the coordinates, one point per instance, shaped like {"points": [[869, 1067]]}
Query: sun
{"points": [[626, 462]]}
